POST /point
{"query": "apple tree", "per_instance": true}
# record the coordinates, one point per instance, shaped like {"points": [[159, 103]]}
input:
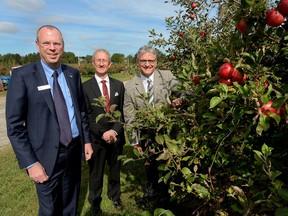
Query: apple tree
{"points": [[224, 152]]}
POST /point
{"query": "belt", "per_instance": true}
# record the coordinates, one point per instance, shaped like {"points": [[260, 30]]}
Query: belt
{"points": [[72, 143]]}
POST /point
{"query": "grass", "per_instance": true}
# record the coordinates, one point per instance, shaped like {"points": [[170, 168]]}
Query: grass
{"points": [[18, 193]]}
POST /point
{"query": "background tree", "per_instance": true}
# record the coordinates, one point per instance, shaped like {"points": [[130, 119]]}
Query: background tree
{"points": [[118, 58]]}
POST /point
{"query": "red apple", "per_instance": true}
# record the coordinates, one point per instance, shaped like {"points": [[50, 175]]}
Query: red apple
{"points": [[173, 57], [266, 108], [266, 83], [274, 18], [225, 81], [237, 77], [192, 16], [226, 70], [283, 7], [242, 25], [181, 34], [193, 5], [202, 34], [196, 79]]}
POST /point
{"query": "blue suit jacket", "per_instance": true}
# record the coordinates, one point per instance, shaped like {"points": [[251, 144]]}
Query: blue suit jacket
{"points": [[32, 125]]}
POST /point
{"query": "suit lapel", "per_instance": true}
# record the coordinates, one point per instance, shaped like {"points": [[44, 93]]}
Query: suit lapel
{"points": [[94, 86], [158, 83], [139, 85], [41, 80]]}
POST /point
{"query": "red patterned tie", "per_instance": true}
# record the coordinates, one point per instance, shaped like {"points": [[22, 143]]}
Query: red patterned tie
{"points": [[106, 94], [62, 112]]}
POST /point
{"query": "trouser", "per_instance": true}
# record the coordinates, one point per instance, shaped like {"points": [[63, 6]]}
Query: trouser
{"points": [[103, 152], [60, 194]]}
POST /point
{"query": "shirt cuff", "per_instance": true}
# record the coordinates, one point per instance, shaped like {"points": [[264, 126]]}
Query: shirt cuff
{"points": [[31, 165], [115, 132]]}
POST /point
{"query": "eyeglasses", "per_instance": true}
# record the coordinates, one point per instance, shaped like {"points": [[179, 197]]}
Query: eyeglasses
{"points": [[48, 44], [102, 60], [143, 62]]}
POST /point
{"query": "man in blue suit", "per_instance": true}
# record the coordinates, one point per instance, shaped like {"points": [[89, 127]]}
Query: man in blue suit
{"points": [[34, 130]]}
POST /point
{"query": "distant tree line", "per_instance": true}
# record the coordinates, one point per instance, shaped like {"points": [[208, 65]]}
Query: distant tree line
{"points": [[120, 64]]}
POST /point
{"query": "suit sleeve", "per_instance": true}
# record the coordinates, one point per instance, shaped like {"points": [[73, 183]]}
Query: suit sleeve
{"points": [[118, 126], [16, 117], [129, 110], [84, 117]]}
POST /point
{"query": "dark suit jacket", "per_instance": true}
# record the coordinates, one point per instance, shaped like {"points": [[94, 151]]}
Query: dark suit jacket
{"points": [[32, 125], [91, 91]]}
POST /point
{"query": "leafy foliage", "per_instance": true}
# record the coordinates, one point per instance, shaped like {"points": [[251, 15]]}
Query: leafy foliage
{"points": [[220, 153]]}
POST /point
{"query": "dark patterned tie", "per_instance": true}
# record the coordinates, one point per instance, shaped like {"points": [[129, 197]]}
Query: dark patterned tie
{"points": [[150, 91], [62, 112], [106, 95]]}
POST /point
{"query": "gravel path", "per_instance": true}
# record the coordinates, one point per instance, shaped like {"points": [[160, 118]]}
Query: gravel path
{"points": [[3, 132]]}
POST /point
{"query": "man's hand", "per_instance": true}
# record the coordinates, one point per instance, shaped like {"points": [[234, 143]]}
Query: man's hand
{"points": [[177, 102], [139, 148], [109, 137], [37, 173], [88, 151]]}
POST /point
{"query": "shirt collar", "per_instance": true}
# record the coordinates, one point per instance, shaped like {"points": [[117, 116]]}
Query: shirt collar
{"points": [[144, 78], [98, 79], [49, 71]]}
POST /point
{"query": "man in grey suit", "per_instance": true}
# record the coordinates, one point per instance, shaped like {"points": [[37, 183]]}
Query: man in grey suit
{"points": [[156, 85], [36, 128]]}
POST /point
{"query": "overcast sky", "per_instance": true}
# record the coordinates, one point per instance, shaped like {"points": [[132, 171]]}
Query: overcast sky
{"points": [[120, 26]]}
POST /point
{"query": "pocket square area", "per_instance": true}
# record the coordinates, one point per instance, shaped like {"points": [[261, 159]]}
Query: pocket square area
{"points": [[116, 94]]}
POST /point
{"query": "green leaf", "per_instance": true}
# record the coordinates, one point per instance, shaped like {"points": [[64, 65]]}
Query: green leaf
{"points": [[201, 190], [264, 121], [249, 56], [215, 101], [166, 177], [274, 174], [164, 156], [186, 171], [159, 139], [162, 212], [173, 147], [283, 193], [281, 212]]}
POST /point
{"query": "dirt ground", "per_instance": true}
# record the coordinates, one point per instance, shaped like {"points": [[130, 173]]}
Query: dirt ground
{"points": [[3, 132]]}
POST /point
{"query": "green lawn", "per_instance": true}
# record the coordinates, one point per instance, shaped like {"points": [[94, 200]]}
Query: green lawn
{"points": [[18, 194]]}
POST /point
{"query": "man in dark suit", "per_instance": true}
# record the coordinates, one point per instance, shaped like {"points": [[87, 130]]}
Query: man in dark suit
{"points": [[107, 134], [35, 127], [156, 86]]}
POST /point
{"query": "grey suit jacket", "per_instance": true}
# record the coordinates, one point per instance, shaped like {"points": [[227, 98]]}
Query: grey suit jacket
{"points": [[32, 124], [135, 95]]}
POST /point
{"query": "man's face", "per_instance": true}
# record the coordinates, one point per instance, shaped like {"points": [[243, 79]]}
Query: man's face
{"points": [[101, 63], [147, 63], [50, 46]]}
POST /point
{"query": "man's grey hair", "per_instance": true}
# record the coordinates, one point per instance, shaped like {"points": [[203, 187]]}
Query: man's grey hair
{"points": [[101, 50], [146, 49]]}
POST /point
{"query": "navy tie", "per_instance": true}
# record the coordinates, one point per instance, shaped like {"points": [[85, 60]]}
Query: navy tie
{"points": [[62, 112]]}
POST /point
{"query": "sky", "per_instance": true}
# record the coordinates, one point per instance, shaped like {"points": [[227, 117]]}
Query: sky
{"points": [[120, 26]]}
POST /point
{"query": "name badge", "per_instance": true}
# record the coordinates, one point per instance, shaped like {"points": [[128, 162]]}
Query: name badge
{"points": [[43, 87]]}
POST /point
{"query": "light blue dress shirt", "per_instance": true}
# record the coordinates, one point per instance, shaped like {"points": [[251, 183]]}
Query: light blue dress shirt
{"points": [[66, 93]]}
